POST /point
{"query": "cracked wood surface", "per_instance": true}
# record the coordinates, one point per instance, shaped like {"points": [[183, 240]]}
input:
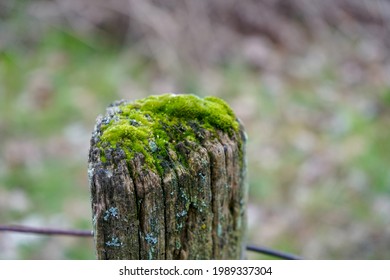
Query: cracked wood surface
{"points": [[194, 209]]}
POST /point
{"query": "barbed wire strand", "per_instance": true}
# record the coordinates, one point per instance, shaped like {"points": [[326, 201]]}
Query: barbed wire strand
{"points": [[88, 233]]}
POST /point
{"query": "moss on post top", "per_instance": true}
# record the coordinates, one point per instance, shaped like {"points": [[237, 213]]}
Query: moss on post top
{"points": [[152, 125]]}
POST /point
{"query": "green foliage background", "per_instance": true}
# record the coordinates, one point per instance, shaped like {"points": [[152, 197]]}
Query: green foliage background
{"points": [[317, 118]]}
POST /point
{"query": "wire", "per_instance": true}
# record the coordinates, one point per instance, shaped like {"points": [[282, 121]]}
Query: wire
{"points": [[88, 233], [272, 252], [46, 231]]}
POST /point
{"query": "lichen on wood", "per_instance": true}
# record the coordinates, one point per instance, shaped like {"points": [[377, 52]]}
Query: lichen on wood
{"points": [[168, 180]]}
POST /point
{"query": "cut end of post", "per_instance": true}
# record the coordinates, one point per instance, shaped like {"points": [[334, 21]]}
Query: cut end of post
{"points": [[154, 125], [167, 176]]}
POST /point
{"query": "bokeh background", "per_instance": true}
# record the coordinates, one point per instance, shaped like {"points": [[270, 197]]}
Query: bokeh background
{"points": [[310, 79]]}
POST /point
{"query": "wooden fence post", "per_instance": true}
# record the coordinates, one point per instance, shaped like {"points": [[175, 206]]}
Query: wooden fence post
{"points": [[168, 180]]}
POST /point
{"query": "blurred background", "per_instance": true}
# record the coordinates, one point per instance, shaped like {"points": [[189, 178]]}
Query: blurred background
{"points": [[310, 80]]}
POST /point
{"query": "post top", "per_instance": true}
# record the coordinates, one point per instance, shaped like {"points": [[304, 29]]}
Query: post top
{"points": [[152, 125]]}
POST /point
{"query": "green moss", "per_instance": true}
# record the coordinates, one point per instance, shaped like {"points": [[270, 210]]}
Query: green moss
{"points": [[152, 125]]}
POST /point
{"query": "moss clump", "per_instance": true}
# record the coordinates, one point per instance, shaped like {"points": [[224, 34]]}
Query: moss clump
{"points": [[153, 125]]}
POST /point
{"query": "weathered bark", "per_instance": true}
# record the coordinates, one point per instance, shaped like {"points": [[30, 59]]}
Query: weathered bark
{"points": [[194, 208]]}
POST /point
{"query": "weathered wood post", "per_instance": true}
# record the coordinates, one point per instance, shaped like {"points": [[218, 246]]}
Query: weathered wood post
{"points": [[167, 178]]}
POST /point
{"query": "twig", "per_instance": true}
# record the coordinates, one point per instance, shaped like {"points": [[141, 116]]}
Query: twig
{"points": [[88, 233], [46, 231]]}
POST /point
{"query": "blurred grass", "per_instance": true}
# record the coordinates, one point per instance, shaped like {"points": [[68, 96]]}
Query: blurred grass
{"points": [[318, 152]]}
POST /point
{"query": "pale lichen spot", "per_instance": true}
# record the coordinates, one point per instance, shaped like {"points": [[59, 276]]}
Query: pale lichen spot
{"points": [[112, 212], [151, 239], [114, 242]]}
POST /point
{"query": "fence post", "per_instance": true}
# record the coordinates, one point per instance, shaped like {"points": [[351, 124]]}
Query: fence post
{"points": [[168, 180]]}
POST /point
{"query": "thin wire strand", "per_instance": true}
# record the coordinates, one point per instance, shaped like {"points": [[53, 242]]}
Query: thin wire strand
{"points": [[272, 252], [88, 233], [46, 231]]}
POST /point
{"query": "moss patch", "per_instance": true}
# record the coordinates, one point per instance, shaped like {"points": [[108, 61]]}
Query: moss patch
{"points": [[153, 125]]}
